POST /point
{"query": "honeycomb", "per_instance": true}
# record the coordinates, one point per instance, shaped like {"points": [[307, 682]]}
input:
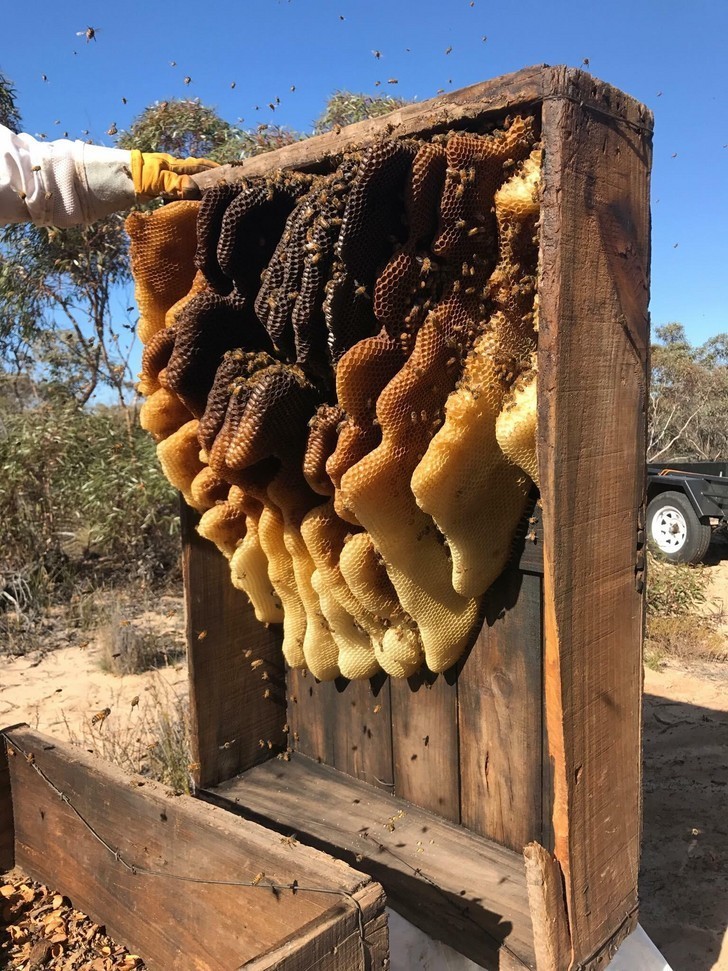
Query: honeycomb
{"points": [[340, 373]]}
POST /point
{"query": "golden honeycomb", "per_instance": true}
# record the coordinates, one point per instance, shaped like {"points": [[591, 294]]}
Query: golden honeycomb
{"points": [[340, 372]]}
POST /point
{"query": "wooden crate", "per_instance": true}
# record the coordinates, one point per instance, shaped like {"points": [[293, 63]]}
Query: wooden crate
{"points": [[436, 784], [167, 875]]}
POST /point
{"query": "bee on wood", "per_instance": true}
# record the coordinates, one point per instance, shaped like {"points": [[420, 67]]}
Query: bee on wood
{"points": [[100, 717]]}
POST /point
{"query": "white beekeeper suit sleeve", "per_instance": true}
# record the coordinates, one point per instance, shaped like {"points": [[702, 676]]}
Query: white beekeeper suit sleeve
{"points": [[61, 183]]}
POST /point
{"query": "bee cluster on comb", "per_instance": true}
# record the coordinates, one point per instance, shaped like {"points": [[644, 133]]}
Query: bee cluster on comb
{"points": [[340, 372]]}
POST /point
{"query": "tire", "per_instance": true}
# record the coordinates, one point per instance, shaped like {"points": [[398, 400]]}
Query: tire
{"points": [[673, 529]]}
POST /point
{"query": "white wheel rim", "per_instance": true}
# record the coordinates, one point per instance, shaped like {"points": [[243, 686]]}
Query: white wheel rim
{"points": [[669, 529]]}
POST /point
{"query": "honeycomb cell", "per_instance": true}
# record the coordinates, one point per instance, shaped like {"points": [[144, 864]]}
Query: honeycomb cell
{"points": [[207, 327], [163, 246], [179, 457], [378, 490], [516, 425], [322, 437]]}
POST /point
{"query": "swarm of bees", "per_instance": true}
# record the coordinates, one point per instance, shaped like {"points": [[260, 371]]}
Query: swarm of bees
{"points": [[340, 374]]}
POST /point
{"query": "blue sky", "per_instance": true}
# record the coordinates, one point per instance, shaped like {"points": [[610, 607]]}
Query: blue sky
{"points": [[670, 55]]}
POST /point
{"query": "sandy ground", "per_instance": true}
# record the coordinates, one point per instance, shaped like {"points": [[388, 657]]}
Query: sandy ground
{"points": [[684, 874]]}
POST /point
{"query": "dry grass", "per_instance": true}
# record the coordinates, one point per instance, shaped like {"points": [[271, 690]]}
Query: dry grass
{"points": [[680, 622], [153, 741]]}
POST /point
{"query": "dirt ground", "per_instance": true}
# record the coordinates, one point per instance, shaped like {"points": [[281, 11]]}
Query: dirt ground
{"points": [[684, 874]]}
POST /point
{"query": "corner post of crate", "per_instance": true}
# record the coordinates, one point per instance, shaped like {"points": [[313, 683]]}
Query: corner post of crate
{"points": [[236, 676], [593, 383], [7, 823]]}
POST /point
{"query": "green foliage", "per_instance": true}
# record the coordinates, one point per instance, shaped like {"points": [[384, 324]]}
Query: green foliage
{"points": [[9, 114], [346, 107], [674, 589], [81, 492], [688, 397], [186, 127], [679, 623], [55, 294]]}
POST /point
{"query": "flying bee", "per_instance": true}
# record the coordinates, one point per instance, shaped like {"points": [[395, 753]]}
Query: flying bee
{"points": [[377, 54], [100, 717], [232, 85], [448, 50], [188, 80], [89, 33], [112, 129]]}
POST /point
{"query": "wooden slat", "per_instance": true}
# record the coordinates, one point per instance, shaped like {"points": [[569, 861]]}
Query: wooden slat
{"points": [[362, 718], [164, 902], [7, 827], [229, 711], [425, 742], [310, 718], [593, 358], [499, 696], [463, 108], [457, 887], [335, 943]]}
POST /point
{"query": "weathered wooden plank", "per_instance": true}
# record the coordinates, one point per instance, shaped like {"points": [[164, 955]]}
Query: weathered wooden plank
{"points": [[230, 711], [335, 942], [143, 852], [310, 716], [459, 888], [425, 742], [7, 826], [593, 359], [361, 718], [500, 719], [457, 109]]}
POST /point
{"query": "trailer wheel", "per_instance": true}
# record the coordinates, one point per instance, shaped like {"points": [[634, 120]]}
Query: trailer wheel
{"points": [[674, 530]]}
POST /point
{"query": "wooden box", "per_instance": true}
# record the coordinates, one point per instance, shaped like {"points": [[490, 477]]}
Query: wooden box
{"points": [[185, 885], [436, 784]]}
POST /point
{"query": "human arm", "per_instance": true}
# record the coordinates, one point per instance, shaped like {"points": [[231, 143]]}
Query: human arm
{"points": [[66, 183]]}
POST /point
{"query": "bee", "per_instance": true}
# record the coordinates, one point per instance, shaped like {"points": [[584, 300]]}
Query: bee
{"points": [[271, 106], [392, 81], [585, 62], [135, 701], [44, 77], [293, 87], [100, 717], [226, 745], [377, 54], [112, 129], [233, 85], [123, 101], [173, 63], [448, 50], [257, 878], [188, 80], [89, 33], [289, 840], [377, 83]]}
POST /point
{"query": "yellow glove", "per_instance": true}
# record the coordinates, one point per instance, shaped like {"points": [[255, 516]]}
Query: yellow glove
{"points": [[158, 174]]}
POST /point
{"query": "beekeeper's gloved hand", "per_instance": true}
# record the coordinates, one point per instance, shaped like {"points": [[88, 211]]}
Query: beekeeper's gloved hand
{"points": [[158, 174]]}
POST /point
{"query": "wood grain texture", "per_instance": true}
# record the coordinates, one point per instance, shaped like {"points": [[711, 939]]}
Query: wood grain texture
{"points": [[545, 886], [169, 844], [425, 742], [500, 717], [230, 712], [457, 887], [463, 108], [593, 359], [335, 942], [7, 826]]}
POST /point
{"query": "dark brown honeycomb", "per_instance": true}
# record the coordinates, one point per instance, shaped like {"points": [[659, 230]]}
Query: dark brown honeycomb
{"points": [[353, 362]]}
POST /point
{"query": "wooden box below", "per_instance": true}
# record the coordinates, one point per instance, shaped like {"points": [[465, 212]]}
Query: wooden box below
{"points": [[185, 885]]}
